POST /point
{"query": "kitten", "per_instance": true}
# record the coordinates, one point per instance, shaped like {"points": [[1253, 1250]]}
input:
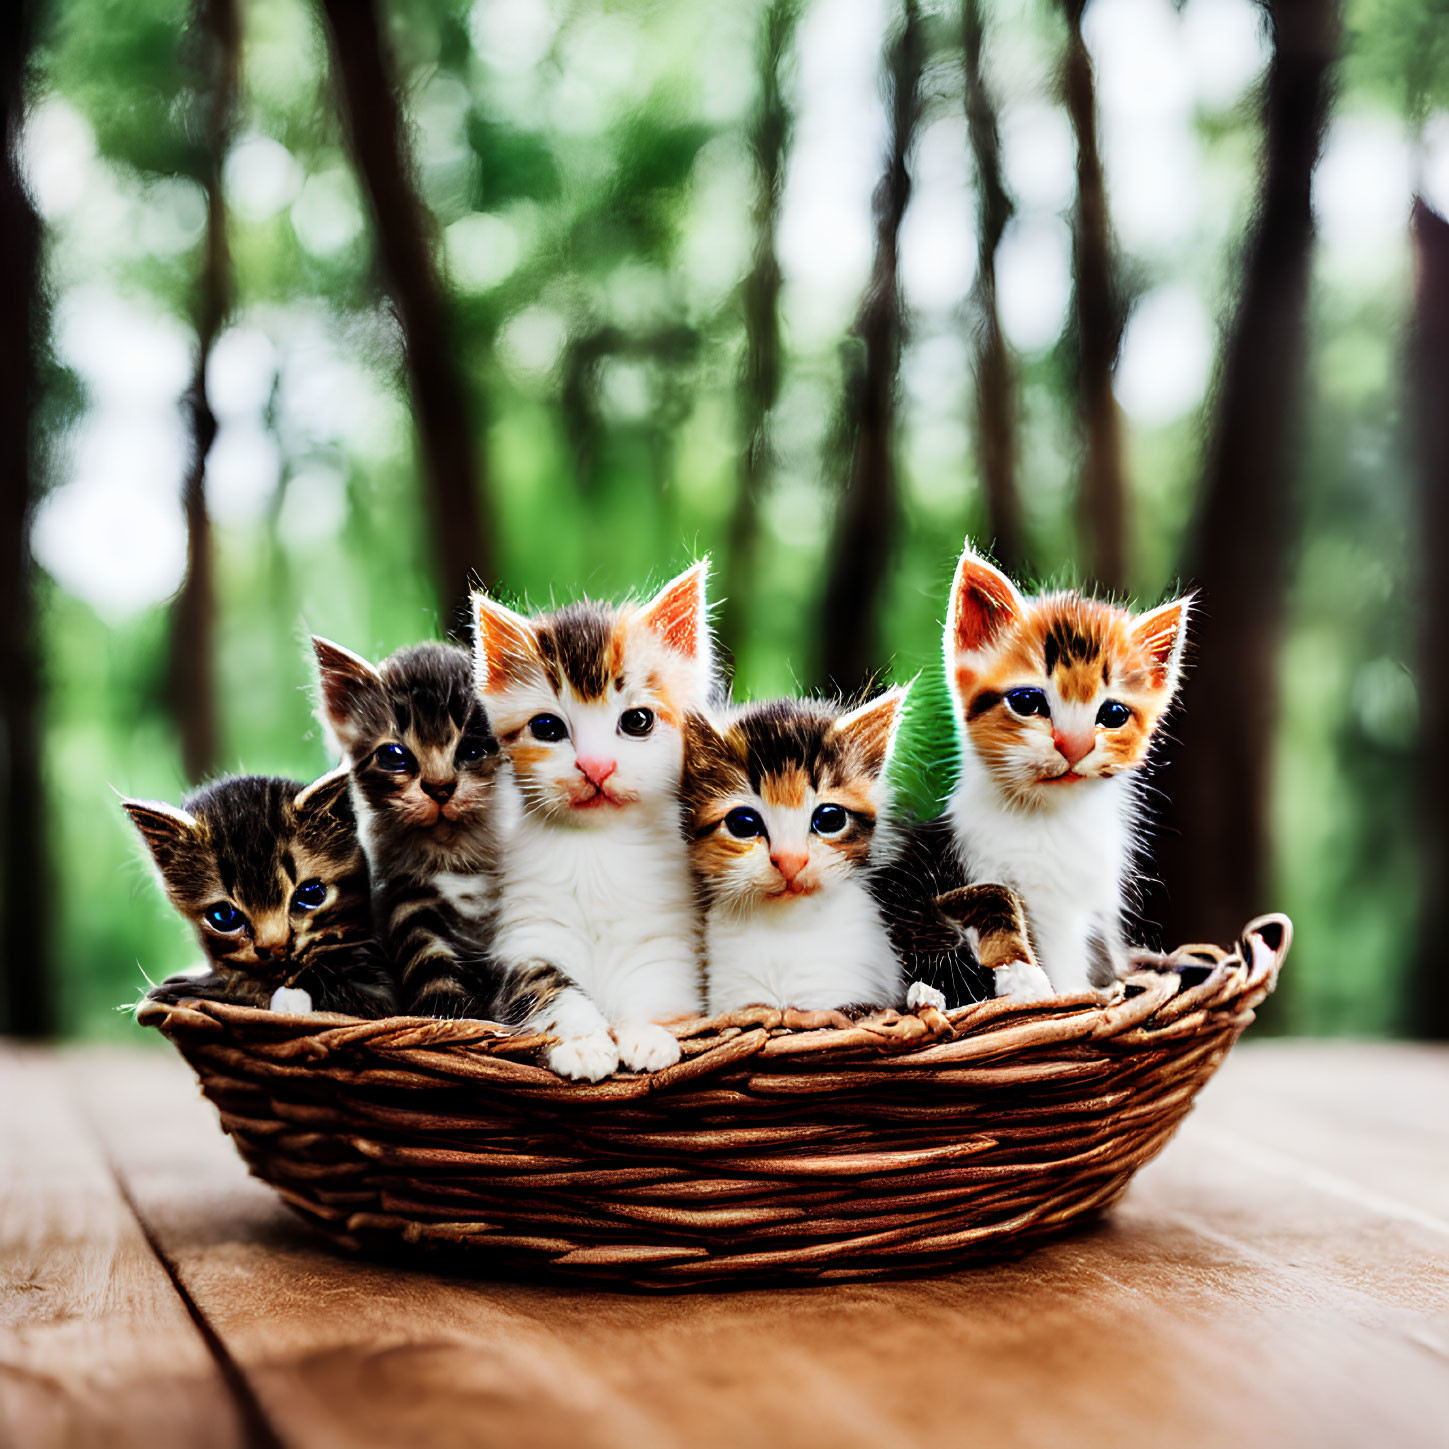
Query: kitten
{"points": [[271, 875], [787, 808], [425, 779], [1058, 698], [590, 704]]}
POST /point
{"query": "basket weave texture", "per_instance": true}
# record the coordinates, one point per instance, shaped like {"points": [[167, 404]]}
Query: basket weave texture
{"points": [[782, 1145]]}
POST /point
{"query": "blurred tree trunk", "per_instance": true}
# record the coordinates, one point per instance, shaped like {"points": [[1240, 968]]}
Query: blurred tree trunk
{"points": [[191, 671], [1215, 848], [760, 374], [1428, 996], [1097, 319], [866, 519], [453, 467], [996, 424], [26, 965]]}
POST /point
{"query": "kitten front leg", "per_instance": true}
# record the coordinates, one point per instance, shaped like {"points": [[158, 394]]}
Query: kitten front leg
{"points": [[645, 1046], [585, 1050], [993, 919]]}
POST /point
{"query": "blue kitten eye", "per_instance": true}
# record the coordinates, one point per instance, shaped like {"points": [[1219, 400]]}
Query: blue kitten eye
{"points": [[309, 895], [637, 722], [224, 917], [1113, 716], [395, 759], [548, 728], [829, 819], [744, 823], [470, 752], [1027, 702]]}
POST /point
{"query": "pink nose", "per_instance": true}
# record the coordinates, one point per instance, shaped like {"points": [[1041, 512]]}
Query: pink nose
{"points": [[1074, 748], [789, 863], [595, 770]]}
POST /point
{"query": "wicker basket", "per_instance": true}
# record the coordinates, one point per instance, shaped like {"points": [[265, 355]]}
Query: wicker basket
{"points": [[788, 1144]]}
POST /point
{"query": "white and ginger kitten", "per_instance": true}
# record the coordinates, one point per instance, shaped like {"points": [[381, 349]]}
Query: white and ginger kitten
{"points": [[1058, 698], [787, 808], [589, 704]]}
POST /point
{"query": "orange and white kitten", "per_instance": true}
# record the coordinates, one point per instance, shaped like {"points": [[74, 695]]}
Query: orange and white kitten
{"points": [[589, 703], [788, 811], [1058, 698]]}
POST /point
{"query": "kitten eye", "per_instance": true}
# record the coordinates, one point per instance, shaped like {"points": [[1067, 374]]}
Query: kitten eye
{"points": [[1027, 702], [637, 722], [395, 759], [309, 895], [548, 728], [470, 752], [224, 917], [744, 823], [1112, 715], [829, 819]]}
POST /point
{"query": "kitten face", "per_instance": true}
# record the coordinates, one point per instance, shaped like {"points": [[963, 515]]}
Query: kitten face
{"points": [[783, 801], [590, 701], [1058, 691], [423, 759], [266, 870]]}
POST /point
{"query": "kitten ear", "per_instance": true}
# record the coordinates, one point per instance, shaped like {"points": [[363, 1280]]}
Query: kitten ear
{"points": [[504, 644], [169, 831], [350, 688], [679, 615], [1162, 634], [326, 795], [984, 603], [871, 728]]}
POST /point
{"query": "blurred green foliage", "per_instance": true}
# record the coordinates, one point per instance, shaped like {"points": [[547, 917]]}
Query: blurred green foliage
{"points": [[586, 168]]}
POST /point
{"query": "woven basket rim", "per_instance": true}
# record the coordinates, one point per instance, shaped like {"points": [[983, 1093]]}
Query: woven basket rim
{"points": [[1148, 1002]]}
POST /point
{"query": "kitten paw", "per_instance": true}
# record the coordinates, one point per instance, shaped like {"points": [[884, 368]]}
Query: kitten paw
{"points": [[1023, 982], [919, 994], [646, 1047], [291, 1001], [587, 1058]]}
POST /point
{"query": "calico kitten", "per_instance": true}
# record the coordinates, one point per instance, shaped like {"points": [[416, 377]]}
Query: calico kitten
{"points": [[271, 875], [1058, 698], [598, 905], [425, 771], [787, 808]]}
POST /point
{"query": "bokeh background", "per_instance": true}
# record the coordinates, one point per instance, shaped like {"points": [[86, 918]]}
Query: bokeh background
{"points": [[312, 307]]}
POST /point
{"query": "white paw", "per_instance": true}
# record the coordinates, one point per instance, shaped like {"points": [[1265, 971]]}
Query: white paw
{"points": [[919, 994], [645, 1047], [587, 1058], [291, 1001], [1023, 982]]}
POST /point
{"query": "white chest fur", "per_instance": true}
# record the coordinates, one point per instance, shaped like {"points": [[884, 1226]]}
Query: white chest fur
{"points": [[827, 950], [612, 905], [1068, 863]]}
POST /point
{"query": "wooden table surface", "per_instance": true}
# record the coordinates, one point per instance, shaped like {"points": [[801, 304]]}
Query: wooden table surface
{"points": [[1279, 1276]]}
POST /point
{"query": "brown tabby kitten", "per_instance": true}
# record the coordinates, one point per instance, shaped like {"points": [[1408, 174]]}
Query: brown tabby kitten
{"points": [[271, 875], [425, 769]]}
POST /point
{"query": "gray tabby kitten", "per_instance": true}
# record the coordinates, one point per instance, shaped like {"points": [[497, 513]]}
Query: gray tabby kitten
{"points": [[425, 768]]}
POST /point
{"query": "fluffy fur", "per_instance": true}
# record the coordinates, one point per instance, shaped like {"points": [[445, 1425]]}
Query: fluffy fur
{"points": [[425, 770], [787, 808], [272, 877], [589, 703], [1058, 699]]}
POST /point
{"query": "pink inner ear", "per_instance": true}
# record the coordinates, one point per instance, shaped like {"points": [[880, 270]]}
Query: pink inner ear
{"points": [[982, 607], [1158, 636], [674, 615], [506, 642]]}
